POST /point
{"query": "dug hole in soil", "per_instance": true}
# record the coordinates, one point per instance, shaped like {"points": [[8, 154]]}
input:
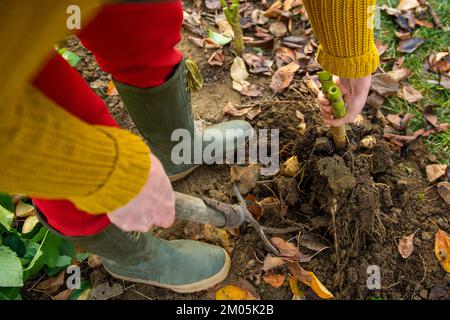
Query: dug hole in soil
{"points": [[375, 195]]}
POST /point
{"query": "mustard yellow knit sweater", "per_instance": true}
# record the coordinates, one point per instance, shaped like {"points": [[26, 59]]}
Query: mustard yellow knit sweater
{"points": [[48, 153]]}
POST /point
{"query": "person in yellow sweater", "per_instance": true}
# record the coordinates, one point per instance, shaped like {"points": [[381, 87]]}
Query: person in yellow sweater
{"points": [[94, 182]]}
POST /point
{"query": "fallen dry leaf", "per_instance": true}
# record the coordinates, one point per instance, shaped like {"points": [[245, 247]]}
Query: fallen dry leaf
{"points": [[408, 4], [251, 90], [275, 10], [29, 224], [445, 82], [382, 48], [224, 26], [252, 114], [258, 17], [238, 70], [406, 245], [63, 295], [400, 74], [255, 208], [275, 280], [410, 45], [384, 84], [424, 23], [216, 58], [287, 249], [278, 29], [409, 94], [197, 41], [233, 293], [403, 35], [310, 279], [257, 63], [105, 291], [53, 284], [283, 77], [213, 4], [439, 62], [271, 262], [24, 210], [435, 171], [245, 177], [112, 90], [291, 167], [444, 191], [94, 261], [310, 242], [442, 249], [234, 110], [313, 83], [284, 56], [216, 235], [375, 100]]}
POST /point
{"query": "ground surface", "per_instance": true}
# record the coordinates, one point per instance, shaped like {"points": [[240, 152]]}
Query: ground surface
{"points": [[386, 196]]}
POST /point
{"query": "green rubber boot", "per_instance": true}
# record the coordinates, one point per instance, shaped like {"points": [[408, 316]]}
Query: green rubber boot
{"points": [[183, 266], [158, 112]]}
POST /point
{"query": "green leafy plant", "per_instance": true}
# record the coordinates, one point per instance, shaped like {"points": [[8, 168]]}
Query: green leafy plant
{"points": [[23, 255], [234, 19]]}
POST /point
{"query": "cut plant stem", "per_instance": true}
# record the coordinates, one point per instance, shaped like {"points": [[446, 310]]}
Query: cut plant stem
{"points": [[234, 19], [333, 93]]}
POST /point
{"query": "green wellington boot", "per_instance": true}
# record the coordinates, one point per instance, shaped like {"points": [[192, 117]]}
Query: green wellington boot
{"points": [[183, 266], [158, 111]]}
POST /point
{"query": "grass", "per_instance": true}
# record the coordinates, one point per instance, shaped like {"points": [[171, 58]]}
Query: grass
{"points": [[437, 41]]}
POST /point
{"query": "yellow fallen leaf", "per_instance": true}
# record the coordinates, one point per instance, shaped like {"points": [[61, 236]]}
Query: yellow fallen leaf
{"points": [[291, 167], [112, 90], [293, 284], [275, 280], [29, 224], [216, 235], [442, 249], [310, 279], [233, 293]]}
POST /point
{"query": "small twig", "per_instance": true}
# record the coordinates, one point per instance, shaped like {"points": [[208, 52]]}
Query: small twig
{"points": [[336, 246], [141, 294]]}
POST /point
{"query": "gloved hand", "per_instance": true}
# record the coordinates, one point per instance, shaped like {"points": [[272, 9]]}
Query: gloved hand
{"points": [[354, 92], [153, 206]]}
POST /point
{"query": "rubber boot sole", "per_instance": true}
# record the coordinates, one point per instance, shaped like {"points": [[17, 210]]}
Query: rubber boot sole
{"points": [[187, 288]]}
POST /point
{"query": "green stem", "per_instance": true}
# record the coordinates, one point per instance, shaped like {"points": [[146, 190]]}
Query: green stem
{"points": [[234, 19], [334, 94]]}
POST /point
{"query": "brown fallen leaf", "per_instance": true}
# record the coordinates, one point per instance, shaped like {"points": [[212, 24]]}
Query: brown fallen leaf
{"points": [[271, 262], [275, 280], [275, 10], [310, 279], [216, 58], [384, 84], [309, 241], [444, 191], [403, 35], [442, 249], [278, 29], [406, 245], [238, 70], [408, 4], [409, 94], [255, 208], [435, 171], [225, 28], [251, 90], [245, 177], [424, 23], [445, 82], [211, 44], [235, 111], [252, 114], [284, 56], [313, 83], [287, 249], [428, 113], [257, 63], [231, 292], [283, 77], [382, 48], [410, 45], [375, 100], [258, 17], [400, 74], [197, 41], [213, 4], [63, 295], [439, 62], [53, 284]]}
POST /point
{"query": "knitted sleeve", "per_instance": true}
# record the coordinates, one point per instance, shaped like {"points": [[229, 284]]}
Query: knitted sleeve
{"points": [[46, 152], [345, 32]]}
